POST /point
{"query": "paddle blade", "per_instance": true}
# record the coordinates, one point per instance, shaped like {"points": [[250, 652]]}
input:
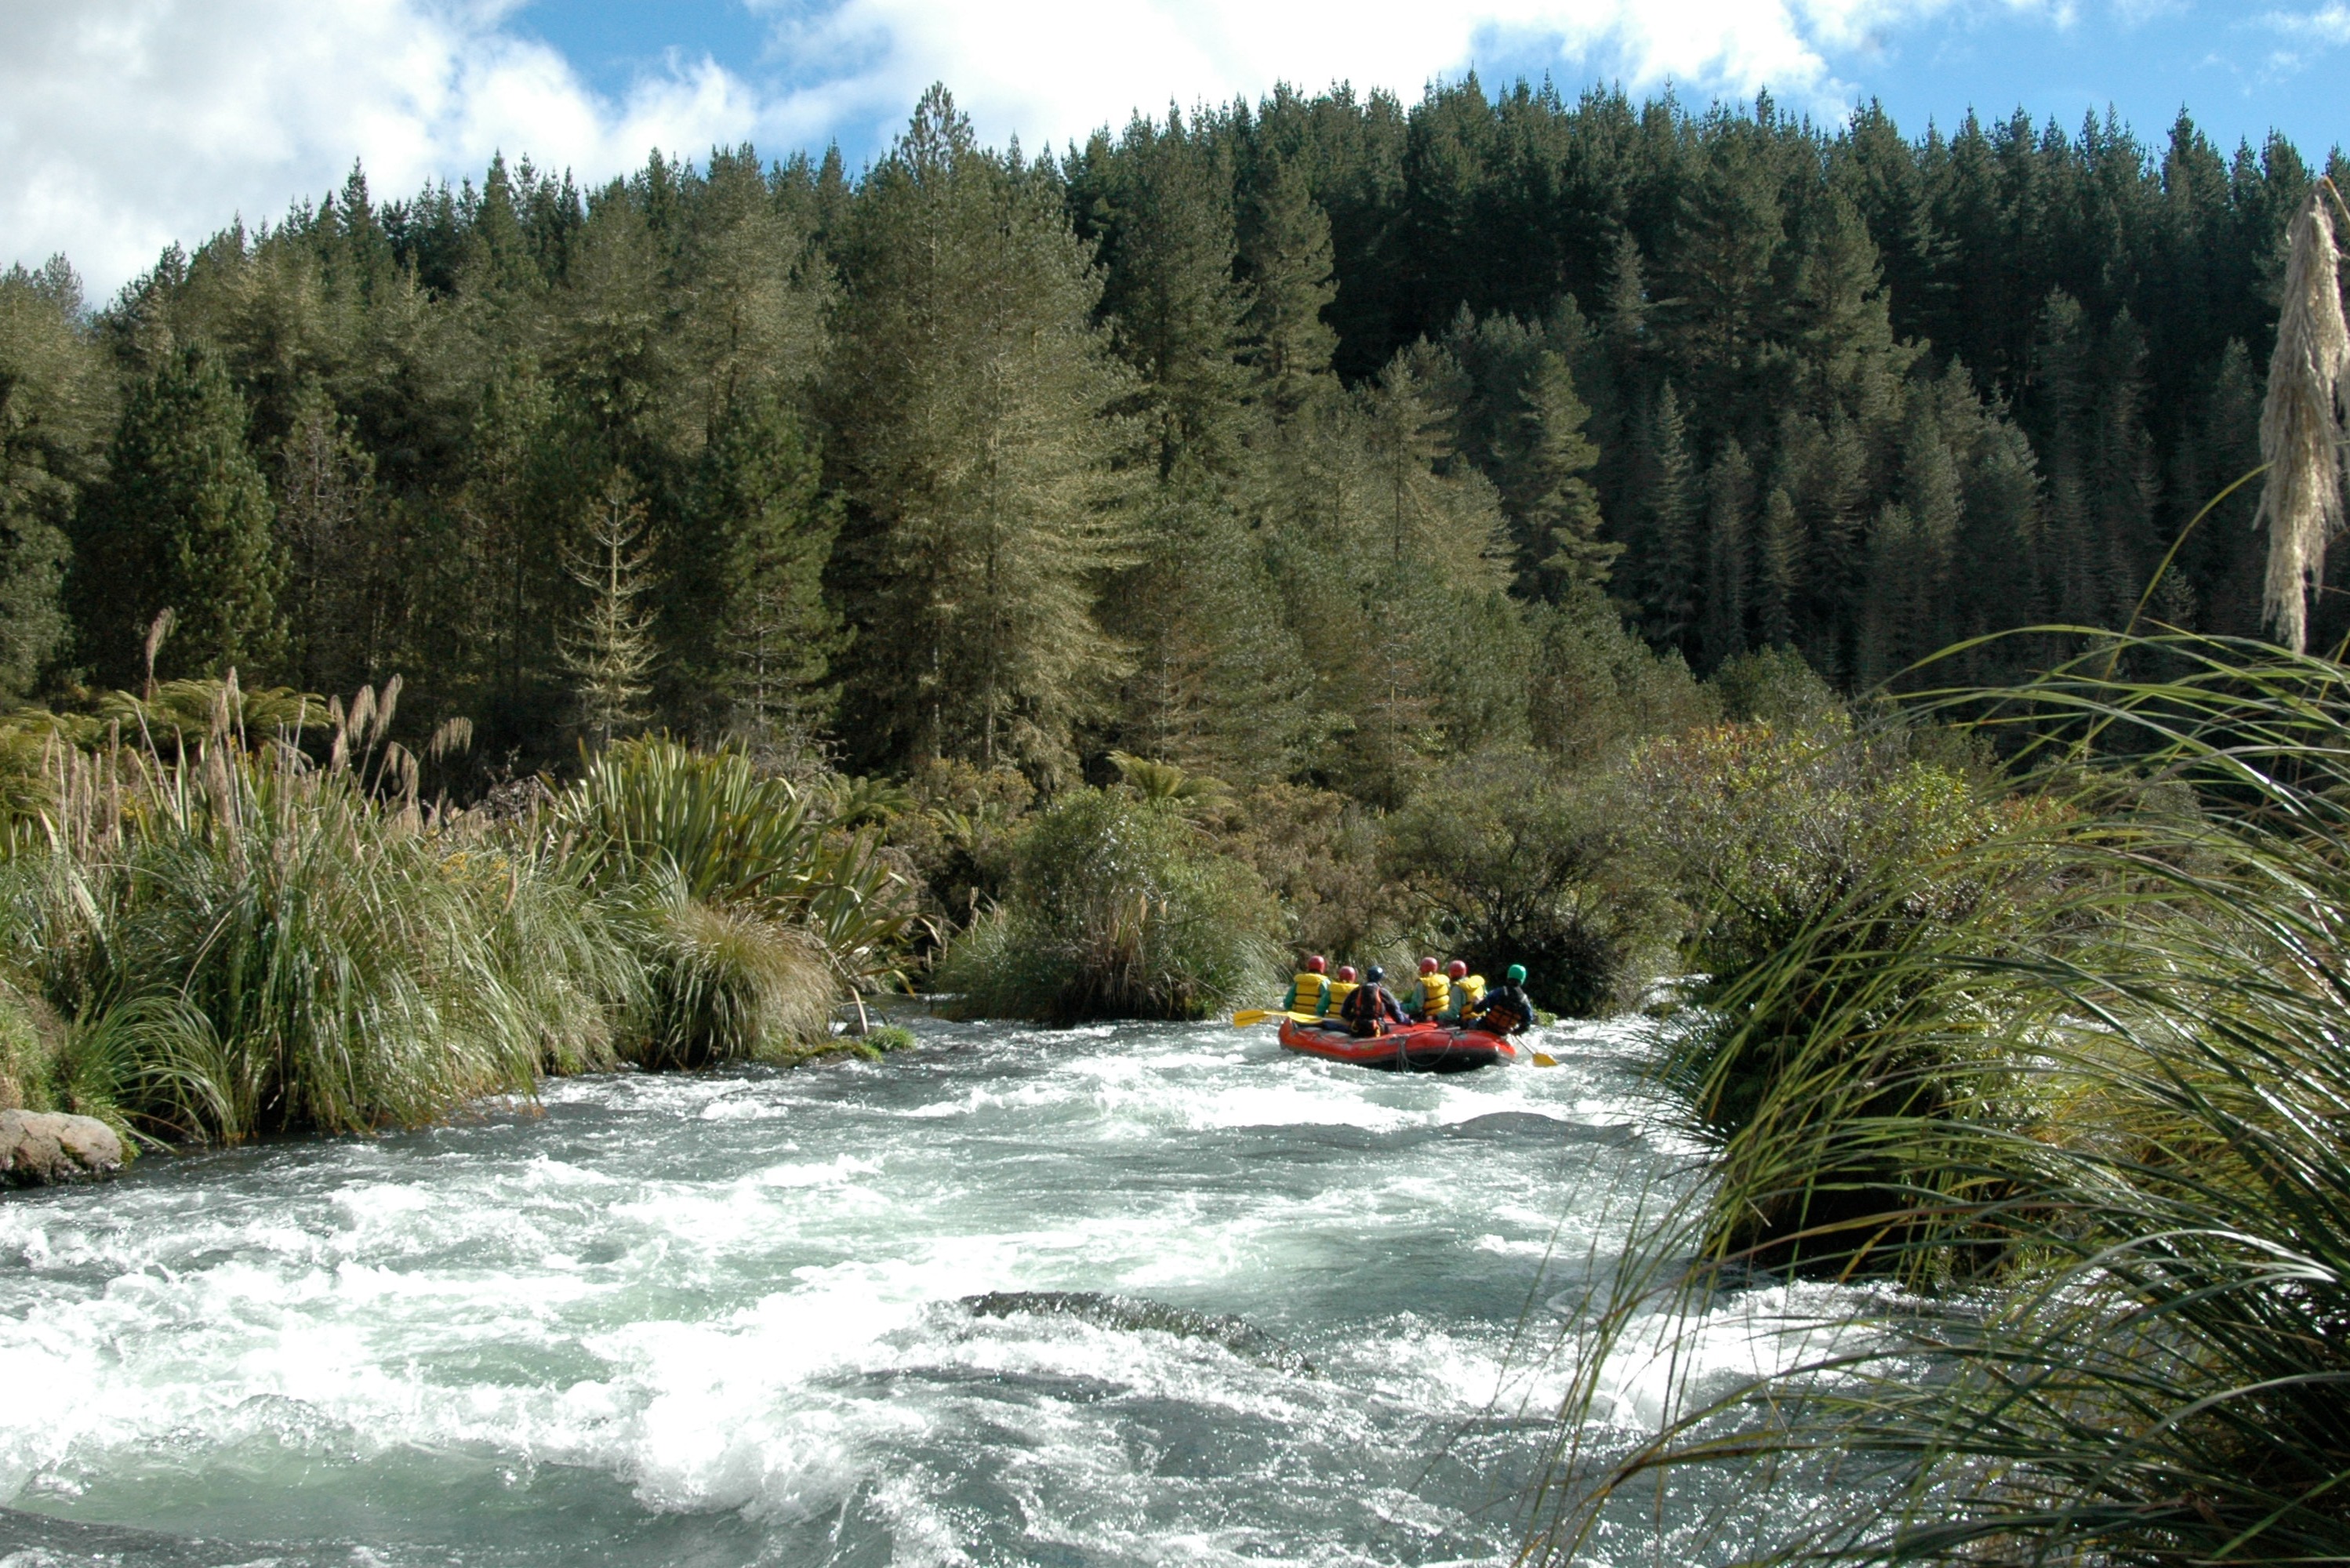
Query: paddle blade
{"points": [[1545, 1061], [1252, 1015]]}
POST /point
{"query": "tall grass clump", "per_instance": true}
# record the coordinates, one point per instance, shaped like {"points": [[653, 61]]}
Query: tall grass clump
{"points": [[253, 942], [1782, 838], [749, 917], [2140, 1137], [1114, 909]]}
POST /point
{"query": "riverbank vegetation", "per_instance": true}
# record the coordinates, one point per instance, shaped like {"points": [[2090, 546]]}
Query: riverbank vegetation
{"points": [[516, 628], [2055, 1055], [230, 933], [2074, 1078]]}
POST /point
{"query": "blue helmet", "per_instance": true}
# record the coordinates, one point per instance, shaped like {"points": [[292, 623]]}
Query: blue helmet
{"points": [[1375, 974]]}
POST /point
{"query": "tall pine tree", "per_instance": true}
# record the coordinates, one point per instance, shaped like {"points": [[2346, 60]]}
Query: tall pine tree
{"points": [[971, 433]]}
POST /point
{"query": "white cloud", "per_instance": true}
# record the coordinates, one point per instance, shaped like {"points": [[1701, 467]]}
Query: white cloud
{"points": [[1054, 69], [125, 124], [2326, 25]]}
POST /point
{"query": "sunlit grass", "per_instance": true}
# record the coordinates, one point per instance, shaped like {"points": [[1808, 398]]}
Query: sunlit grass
{"points": [[2097, 1124]]}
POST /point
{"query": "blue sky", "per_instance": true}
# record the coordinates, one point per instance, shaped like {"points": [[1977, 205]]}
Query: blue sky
{"points": [[2241, 68], [125, 124]]}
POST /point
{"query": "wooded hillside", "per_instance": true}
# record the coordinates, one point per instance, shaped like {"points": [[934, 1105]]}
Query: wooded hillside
{"points": [[1294, 440]]}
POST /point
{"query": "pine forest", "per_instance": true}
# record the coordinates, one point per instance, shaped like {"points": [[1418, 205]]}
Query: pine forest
{"points": [[1309, 440]]}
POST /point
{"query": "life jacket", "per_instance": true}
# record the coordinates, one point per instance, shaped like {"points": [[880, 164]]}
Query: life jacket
{"points": [[1435, 996], [1364, 1012], [1471, 990], [1310, 993], [1339, 990], [1510, 1012]]}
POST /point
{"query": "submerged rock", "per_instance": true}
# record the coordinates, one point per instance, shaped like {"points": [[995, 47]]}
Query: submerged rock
{"points": [[37, 1148], [1135, 1313]]}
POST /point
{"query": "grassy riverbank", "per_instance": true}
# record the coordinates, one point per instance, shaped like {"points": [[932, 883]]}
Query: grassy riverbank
{"points": [[2078, 1081], [224, 933]]}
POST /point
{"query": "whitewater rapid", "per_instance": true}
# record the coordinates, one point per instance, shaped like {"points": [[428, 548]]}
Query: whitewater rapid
{"points": [[720, 1319]]}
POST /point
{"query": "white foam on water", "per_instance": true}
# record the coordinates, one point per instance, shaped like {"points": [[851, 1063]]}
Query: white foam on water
{"points": [[654, 1281]]}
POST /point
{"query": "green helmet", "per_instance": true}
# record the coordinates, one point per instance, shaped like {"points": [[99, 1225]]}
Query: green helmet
{"points": [[1517, 974]]}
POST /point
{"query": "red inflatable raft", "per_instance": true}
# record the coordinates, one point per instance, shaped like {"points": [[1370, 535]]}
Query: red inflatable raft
{"points": [[1418, 1048]]}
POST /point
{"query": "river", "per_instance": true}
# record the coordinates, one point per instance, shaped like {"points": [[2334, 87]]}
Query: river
{"points": [[1126, 1294]]}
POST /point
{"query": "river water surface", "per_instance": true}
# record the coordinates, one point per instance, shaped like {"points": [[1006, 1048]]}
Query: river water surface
{"points": [[1279, 1310]]}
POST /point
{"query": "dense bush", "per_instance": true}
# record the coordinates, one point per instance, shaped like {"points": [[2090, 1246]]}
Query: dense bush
{"points": [[1508, 860], [1115, 909], [251, 945], [1321, 854], [1773, 834], [748, 915], [213, 938], [2154, 1374]]}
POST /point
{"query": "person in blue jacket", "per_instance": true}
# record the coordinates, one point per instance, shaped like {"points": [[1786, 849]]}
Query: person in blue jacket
{"points": [[1508, 1008]]}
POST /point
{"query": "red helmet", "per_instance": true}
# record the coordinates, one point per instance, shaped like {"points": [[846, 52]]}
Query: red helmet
{"points": [[1347, 972], [1428, 966], [1316, 964], [1457, 969]]}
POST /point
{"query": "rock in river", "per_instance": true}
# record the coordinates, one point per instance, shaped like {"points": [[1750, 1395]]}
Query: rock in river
{"points": [[38, 1147]]}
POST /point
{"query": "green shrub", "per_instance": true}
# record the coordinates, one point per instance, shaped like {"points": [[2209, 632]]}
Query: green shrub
{"points": [[722, 984], [748, 917], [648, 809], [1771, 835], [32, 1053], [1775, 686], [1113, 910], [1320, 853], [1509, 860]]}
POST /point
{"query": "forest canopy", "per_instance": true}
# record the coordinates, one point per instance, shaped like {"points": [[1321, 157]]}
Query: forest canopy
{"points": [[1315, 439]]}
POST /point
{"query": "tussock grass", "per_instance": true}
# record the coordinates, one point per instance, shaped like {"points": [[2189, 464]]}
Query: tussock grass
{"points": [[215, 939], [263, 946], [749, 917], [2104, 1128]]}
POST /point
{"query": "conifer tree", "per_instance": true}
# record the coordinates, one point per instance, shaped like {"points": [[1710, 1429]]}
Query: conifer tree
{"points": [[335, 587], [1779, 554], [614, 351], [748, 286], [54, 406], [1835, 500], [1728, 235], [969, 410], [1892, 599], [1667, 524], [1218, 681], [1729, 499], [514, 510], [611, 650], [742, 591], [1436, 517], [1560, 548], [1842, 329], [183, 523], [1290, 272], [1176, 312]]}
